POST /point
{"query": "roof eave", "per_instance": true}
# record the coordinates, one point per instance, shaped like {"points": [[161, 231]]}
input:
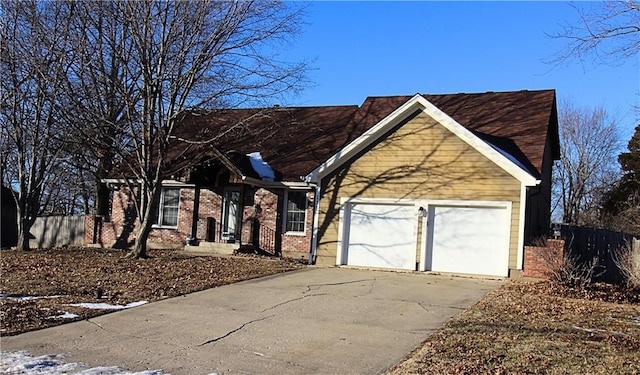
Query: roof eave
{"points": [[364, 139], [418, 102], [278, 184]]}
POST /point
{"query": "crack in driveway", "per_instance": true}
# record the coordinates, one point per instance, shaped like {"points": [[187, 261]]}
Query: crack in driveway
{"points": [[234, 330], [292, 300], [318, 286], [95, 324], [426, 306], [313, 287]]}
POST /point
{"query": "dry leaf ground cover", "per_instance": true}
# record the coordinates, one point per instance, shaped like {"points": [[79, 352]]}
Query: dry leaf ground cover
{"points": [[521, 328], [91, 275], [537, 328]]}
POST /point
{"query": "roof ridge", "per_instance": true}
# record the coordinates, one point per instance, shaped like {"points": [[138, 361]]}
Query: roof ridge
{"points": [[492, 92]]}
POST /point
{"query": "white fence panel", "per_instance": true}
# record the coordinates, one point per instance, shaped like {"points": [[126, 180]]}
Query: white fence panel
{"points": [[55, 231]]}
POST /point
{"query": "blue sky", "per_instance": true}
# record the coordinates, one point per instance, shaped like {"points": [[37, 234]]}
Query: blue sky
{"points": [[361, 49]]}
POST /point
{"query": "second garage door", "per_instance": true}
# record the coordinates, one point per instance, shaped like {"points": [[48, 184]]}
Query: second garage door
{"points": [[472, 240], [380, 235]]}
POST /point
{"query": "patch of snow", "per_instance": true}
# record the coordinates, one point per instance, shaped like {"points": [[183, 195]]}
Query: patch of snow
{"points": [[634, 319], [24, 297], [23, 363], [590, 330], [598, 330], [262, 168], [106, 306], [510, 157], [65, 315]]}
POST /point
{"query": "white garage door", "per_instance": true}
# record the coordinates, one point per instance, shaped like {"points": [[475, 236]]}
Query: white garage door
{"points": [[382, 236], [470, 240]]}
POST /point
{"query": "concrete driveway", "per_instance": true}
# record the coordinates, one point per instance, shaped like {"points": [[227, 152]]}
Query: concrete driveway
{"points": [[314, 321]]}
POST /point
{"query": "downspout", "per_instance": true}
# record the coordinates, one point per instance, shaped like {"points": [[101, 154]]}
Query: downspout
{"points": [[521, 226], [316, 219]]}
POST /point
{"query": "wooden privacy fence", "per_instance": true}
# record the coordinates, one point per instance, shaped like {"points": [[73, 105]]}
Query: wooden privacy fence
{"points": [[596, 247], [55, 231]]}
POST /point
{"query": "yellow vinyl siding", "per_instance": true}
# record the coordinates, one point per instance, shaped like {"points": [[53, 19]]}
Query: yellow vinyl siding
{"points": [[419, 160]]}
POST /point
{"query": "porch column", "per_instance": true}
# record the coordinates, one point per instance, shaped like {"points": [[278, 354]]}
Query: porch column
{"points": [[196, 212]]}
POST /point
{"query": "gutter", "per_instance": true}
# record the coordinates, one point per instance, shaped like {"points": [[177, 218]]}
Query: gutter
{"points": [[293, 185]]}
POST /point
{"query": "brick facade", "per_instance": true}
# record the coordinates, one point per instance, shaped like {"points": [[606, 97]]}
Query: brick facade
{"points": [[298, 245], [540, 261], [258, 204], [268, 211]]}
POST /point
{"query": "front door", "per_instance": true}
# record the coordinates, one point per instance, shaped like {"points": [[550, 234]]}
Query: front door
{"points": [[230, 214]]}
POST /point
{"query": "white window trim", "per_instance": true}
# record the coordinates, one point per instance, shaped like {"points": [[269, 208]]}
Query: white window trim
{"points": [[286, 212], [161, 209]]}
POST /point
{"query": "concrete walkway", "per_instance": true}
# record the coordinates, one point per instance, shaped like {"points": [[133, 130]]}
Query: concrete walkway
{"points": [[314, 321]]}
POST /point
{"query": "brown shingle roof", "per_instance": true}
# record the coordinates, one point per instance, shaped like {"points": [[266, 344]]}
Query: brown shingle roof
{"points": [[524, 117], [295, 140]]}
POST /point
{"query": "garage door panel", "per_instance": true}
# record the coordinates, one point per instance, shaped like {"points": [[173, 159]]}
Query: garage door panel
{"points": [[470, 240], [381, 236]]}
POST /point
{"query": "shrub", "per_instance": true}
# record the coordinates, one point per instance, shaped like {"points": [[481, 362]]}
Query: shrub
{"points": [[627, 258], [573, 273], [565, 268]]}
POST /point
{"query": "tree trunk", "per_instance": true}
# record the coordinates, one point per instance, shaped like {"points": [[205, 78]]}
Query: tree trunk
{"points": [[24, 227], [139, 250]]}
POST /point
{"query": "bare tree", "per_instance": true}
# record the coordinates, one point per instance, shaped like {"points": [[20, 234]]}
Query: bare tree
{"points": [[192, 55], [609, 32], [587, 166], [35, 58], [103, 81]]}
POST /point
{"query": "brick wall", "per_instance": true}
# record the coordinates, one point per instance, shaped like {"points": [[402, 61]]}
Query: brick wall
{"points": [[210, 207], [540, 261], [179, 234], [122, 227], [297, 245], [266, 205], [89, 224]]}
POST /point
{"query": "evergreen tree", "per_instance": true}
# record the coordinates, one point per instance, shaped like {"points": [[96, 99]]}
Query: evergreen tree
{"points": [[622, 204]]}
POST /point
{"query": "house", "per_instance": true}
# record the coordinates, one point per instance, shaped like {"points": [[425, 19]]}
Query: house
{"points": [[455, 183]]}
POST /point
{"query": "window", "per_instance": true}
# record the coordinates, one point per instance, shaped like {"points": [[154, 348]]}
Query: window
{"points": [[167, 212], [296, 211]]}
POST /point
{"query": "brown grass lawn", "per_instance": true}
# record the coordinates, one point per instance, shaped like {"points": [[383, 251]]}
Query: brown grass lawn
{"points": [[521, 328], [527, 328], [91, 275]]}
